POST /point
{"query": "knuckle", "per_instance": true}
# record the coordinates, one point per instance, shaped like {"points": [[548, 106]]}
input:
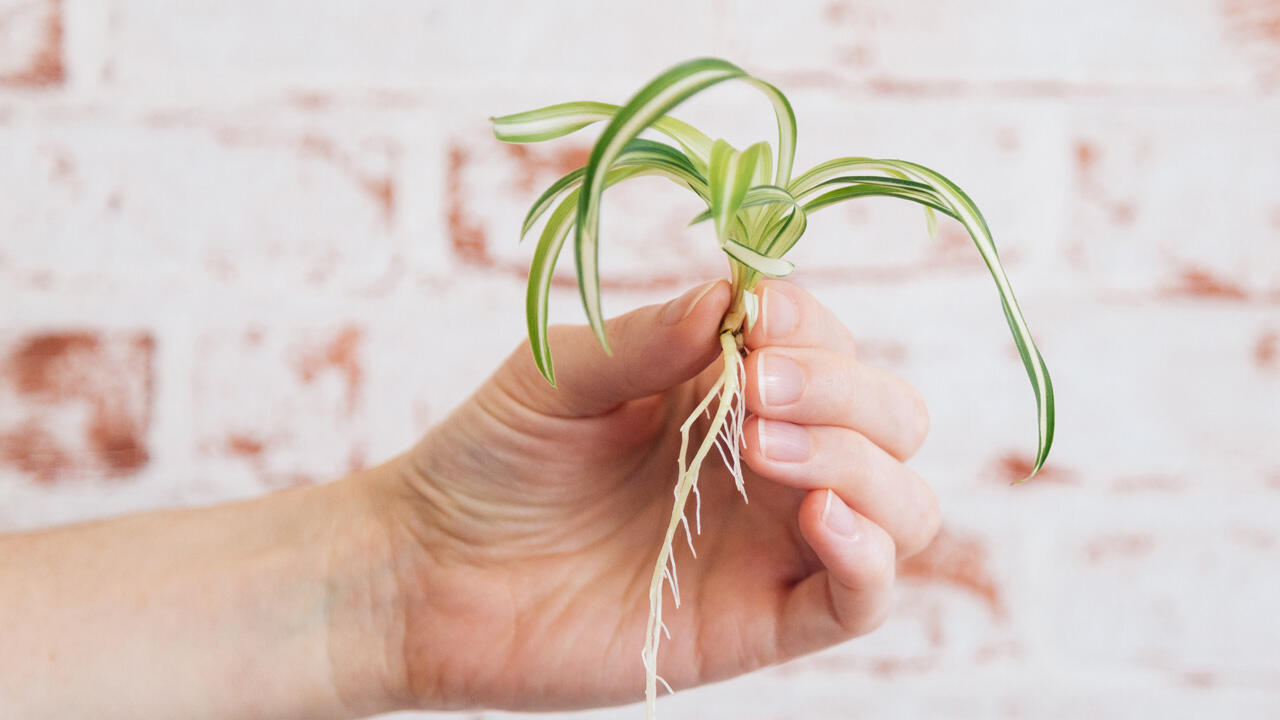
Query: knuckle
{"points": [[927, 524], [873, 581], [917, 420], [848, 377], [858, 450], [871, 621]]}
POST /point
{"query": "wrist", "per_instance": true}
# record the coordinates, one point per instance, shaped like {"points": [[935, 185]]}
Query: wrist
{"points": [[365, 613]]}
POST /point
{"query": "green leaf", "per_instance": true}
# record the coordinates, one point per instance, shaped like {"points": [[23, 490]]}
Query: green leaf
{"points": [[755, 224], [786, 233], [637, 152], [763, 264], [642, 161], [760, 195], [728, 180], [567, 182], [555, 121], [954, 202], [661, 95], [550, 122], [786, 118], [925, 198]]}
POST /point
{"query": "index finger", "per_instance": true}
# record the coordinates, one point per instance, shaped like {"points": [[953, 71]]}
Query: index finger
{"points": [[791, 317]]}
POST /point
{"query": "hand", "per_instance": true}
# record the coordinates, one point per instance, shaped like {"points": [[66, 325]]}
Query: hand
{"points": [[527, 524]]}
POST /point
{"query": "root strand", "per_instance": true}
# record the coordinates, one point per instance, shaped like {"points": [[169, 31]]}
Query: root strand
{"points": [[725, 434]]}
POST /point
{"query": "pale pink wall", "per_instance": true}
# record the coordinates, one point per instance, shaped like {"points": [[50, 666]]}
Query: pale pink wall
{"points": [[245, 245]]}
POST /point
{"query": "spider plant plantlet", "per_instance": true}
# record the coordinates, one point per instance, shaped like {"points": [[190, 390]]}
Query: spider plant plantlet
{"points": [[759, 212]]}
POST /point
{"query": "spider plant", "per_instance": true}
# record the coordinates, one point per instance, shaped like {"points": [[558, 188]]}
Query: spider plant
{"points": [[758, 210]]}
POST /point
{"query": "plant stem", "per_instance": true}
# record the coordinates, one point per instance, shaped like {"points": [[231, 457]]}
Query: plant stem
{"points": [[744, 282]]}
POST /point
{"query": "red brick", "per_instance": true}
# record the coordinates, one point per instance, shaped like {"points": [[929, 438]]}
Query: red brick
{"points": [[31, 39], [80, 404], [489, 187]]}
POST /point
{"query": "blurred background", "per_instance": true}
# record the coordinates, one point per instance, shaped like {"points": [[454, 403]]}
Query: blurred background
{"points": [[251, 245]]}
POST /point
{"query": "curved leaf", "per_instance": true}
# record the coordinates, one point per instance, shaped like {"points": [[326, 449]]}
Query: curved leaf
{"points": [[760, 195], [954, 202], [554, 121], [927, 199], [637, 152], [653, 100], [786, 233], [763, 264], [728, 180], [551, 242]]}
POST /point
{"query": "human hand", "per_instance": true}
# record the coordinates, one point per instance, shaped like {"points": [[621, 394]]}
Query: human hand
{"points": [[525, 527]]}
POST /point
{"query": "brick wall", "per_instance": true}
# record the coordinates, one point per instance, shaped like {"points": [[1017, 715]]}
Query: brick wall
{"points": [[227, 230]]}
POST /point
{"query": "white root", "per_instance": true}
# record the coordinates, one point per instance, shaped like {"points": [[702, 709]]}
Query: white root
{"points": [[725, 434]]}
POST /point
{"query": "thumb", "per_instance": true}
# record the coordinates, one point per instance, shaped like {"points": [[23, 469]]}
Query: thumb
{"points": [[654, 348]]}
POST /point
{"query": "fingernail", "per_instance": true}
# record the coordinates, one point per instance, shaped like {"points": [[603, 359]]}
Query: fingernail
{"points": [[779, 314], [838, 518], [781, 379], [679, 309], [784, 442]]}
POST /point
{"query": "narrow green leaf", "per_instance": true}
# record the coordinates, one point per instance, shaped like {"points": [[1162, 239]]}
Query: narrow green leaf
{"points": [[931, 222], [760, 195], [763, 264], [637, 152], [550, 122], [728, 180], [786, 118], [786, 233], [926, 198], [954, 202], [568, 181], [662, 94], [556, 121], [897, 180], [696, 144], [551, 242], [969, 215]]}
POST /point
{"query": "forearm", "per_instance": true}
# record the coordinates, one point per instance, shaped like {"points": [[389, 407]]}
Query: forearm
{"points": [[269, 608]]}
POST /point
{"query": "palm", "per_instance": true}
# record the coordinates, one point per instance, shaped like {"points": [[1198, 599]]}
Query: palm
{"points": [[542, 530]]}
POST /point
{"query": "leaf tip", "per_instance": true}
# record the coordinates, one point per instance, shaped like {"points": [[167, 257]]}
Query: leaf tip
{"points": [[545, 369], [1035, 470]]}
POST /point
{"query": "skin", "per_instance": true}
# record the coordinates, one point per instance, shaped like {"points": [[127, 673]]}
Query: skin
{"points": [[504, 561]]}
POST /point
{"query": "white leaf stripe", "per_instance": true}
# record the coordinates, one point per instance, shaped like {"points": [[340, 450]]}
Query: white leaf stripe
{"points": [[637, 152], [550, 122], [786, 118], [729, 180], [763, 264], [668, 90], [562, 119], [957, 204], [754, 228], [550, 245], [663, 93], [760, 195], [926, 198]]}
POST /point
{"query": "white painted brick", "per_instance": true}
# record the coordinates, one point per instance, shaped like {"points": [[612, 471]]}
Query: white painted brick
{"points": [[1004, 46], [223, 48], [199, 174], [1179, 599], [1177, 199], [300, 204]]}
